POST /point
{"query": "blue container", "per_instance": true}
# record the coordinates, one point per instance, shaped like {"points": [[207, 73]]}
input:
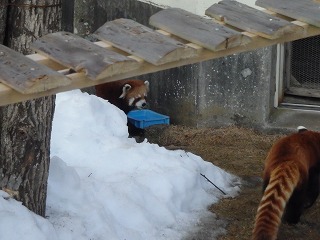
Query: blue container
{"points": [[146, 118]]}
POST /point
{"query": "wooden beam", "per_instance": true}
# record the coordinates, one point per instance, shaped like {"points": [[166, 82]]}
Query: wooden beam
{"points": [[144, 42], [250, 19], [196, 29], [79, 54], [79, 80], [307, 11], [25, 75]]}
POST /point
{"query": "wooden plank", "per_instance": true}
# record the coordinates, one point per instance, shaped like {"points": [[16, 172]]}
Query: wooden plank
{"points": [[79, 80], [307, 11], [196, 29], [143, 42], [81, 55], [250, 19], [25, 75]]}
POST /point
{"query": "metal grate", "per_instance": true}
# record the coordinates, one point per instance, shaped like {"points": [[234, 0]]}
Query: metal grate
{"points": [[305, 63]]}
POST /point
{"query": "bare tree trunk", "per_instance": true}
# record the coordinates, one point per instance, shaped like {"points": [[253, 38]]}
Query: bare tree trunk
{"points": [[3, 19], [25, 128], [30, 20]]}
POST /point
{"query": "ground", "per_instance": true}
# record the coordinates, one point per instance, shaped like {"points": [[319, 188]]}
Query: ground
{"points": [[241, 152]]}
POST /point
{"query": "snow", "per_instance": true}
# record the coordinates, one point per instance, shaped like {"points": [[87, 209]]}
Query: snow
{"points": [[195, 6], [104, 185]]}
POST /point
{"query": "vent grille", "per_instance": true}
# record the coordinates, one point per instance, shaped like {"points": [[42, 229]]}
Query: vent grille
{"points": [[305, 63]]}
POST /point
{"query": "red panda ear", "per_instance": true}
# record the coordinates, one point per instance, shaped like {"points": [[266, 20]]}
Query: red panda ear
{"points": [[147, 85], [301, 129], [125, 89]]}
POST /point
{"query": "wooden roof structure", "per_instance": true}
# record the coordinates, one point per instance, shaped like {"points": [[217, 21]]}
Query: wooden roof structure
{"points": [[126, 48]]}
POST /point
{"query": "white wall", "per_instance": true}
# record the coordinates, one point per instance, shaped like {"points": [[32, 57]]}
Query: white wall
{"points": [[194, 6]]}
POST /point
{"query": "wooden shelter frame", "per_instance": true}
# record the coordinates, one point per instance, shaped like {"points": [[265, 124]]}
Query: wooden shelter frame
{"points": [[126, 49]]}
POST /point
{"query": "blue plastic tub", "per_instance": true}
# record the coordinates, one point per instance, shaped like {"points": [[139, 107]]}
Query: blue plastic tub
{"points": [[145, 118]]}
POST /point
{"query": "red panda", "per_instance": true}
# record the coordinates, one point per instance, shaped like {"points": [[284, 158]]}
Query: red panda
{"points": [[290, 182], [125, 94]]}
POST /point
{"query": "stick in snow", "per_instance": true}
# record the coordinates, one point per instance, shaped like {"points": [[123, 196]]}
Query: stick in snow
{"points": [[213, 184]]}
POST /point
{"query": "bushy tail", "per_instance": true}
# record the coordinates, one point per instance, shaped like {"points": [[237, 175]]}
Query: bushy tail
{"points": [[283, 181]]}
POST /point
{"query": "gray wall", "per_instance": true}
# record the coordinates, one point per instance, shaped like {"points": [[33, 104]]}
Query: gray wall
{"points": [[230, 90], [234, 90]]}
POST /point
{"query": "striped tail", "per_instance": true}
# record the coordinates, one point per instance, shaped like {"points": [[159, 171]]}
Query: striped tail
{"points": [[283, 181]]}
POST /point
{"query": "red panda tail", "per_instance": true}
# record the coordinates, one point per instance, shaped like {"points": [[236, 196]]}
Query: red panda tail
{"points": [[283, 181]]}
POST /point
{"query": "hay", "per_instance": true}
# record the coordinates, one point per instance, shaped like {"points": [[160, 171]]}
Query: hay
{"points": [[241, 152]]}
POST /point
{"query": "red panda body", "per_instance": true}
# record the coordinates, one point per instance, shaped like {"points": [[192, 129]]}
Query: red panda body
{"points": [[290, 182], [125, 94]]}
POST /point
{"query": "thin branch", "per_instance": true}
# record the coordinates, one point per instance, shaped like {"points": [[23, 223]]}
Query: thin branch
{"points": [[213, 184]]}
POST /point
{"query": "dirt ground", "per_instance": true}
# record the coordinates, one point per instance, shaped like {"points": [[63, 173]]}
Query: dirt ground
{"points": [[241, 152]]}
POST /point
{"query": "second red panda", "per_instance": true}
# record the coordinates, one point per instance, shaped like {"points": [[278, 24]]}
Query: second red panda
{"points": [[290, 182], [126, 94]]}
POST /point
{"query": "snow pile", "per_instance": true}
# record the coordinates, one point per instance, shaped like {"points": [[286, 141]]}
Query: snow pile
{"points": [[104, 185]]}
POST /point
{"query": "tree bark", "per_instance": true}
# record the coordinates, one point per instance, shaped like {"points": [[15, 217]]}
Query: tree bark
{"points": [[30, 20], [3, 19], [25, 128]]}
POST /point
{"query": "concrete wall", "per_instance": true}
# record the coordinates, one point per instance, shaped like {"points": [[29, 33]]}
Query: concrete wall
{"points": [[237, 89], [230, 90]]}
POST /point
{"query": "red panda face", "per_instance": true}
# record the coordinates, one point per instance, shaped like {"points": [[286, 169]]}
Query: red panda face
{"points": [[135, 96]]}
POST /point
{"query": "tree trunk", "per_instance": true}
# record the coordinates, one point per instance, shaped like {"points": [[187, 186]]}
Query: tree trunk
{"points": [[3, 19], [25, 128], [29, 20]]}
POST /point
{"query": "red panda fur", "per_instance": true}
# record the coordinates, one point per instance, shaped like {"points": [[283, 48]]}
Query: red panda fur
{"points": [[290, 182], [125, 94]]}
